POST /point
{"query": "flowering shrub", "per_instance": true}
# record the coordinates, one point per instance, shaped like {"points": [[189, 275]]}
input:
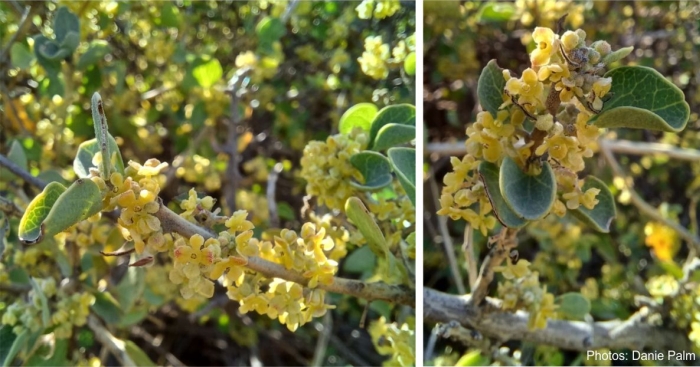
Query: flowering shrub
{"points": [[163, 222], [527, 176]]}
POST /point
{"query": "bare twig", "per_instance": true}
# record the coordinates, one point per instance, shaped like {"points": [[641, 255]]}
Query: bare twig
{"points": [[20, 31], [642, 205], [396, 294], [447, 240], [324, 336], [116, 346], [271, 201], [17, 170], [233, 176], [504, 242], [571, 335]]}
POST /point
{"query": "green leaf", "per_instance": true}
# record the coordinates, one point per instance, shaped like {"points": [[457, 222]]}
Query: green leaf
{"points": [[29, 231], [358, 214], [95, 52], [496, 12], [604, 212], [208, 73], [169, 15], [59, 352], [641, 98], [107, 307], [617, 55], [17, 156], [21, 56], [404, 114], [64, 22], [530, 197], [99, 121], [359, 115], [87, 150], [52, 67], [490, 88], [404, 162], [489, 174], [473, 358], [573, 305], [7, 339], [4, 230], [374, 167], [45, 314], [17, 345], [138, 356], [80, 201], [409, 64], [360, 261], [269, 31], [391, 135], [52, 51], [130, 288], [70, 43]]}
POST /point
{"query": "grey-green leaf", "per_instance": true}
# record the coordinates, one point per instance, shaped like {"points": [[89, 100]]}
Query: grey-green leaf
{"points": [[602, 215], [617, 55], [80, 201], [101, 132], [374, 167], [30, 225], [490, 87], [17, 156], [489, 173], [573, 305], [391, 135], [403, 160], [20, 56], [530, 197], [64, 22], [356, 211], [404, 114], [17, 345], [641, 98]]}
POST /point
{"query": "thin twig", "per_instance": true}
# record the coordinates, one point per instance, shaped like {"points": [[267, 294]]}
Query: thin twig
{"points": [[447, 240], [397, 294], [116, 346], [17, 170], [270, 192], [642, 205], [233, 176], [20, 30], [322, 342], [504, 242]]}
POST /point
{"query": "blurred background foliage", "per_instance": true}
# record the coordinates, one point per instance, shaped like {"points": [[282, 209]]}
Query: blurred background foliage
{"points": [[163, 70], [639, 256]]}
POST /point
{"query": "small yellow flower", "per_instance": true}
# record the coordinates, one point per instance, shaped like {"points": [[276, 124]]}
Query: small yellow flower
{"points": [[569, 40], [544, 40], [529, 89]]}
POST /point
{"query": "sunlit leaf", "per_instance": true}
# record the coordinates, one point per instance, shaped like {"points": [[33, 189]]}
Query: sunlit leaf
{"points": [[359, 115], [37, 211]]}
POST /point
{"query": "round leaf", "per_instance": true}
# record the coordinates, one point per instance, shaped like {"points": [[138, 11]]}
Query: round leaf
{"points": [[208, 73], [490, 87], [87, 150], [269, 31], [409, 64], [641, 98], [496, 12], [359, 115], [391, 135], [604, 212], [404, 162], [64, 22], [530, 197], [399, 114], [573, 305], [30, 225], [374, 167], [489, 176]]}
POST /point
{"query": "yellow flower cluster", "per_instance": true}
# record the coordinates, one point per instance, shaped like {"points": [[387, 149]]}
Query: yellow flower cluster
{"points": [[373, 60], [397, 341], [71, 310], [381, 8], [327, 169], [559, 93], [88, 232], [549, 11], [662, 239], [198, 169], [522, 290], [136, 195]]}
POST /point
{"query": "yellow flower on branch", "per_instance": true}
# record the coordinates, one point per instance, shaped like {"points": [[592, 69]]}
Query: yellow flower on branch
{"points": [[544, 39]]}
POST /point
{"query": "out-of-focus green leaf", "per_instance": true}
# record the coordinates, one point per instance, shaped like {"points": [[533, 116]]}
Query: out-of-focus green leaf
{"points": [[17, 156], [573, 305], [208, 73], [20, 56], [95, 52], [494, 12], [138, 356]]}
